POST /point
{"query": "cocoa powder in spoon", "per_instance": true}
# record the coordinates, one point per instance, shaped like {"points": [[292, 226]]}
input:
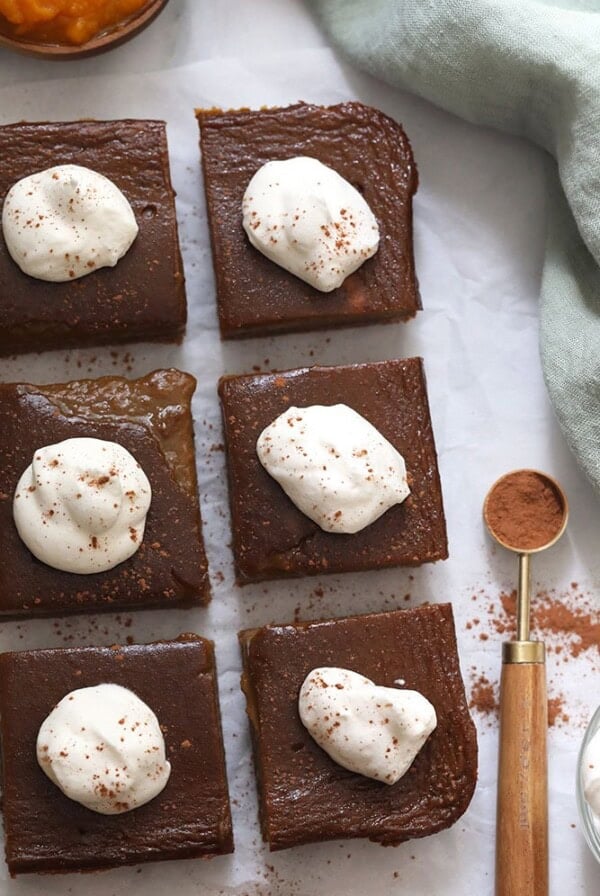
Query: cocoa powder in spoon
{"points": [[524, 510]]}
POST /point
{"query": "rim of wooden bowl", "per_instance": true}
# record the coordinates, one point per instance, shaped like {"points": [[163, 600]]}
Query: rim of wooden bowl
{"points": [[100, 44]]}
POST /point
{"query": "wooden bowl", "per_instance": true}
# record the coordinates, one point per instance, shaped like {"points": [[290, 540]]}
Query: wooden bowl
{"points": [[104, 41]]}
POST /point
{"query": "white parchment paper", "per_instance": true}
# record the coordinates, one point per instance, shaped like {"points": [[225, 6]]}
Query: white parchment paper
{"points": [[479, 224]]}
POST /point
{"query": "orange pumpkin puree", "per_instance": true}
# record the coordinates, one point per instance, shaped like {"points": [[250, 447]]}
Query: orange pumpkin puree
{"points": [[63, 21]]}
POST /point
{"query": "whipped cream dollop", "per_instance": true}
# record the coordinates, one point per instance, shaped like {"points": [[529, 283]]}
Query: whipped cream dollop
{"points": [[371, 730], [308, 219], [103, 747], [66, 222], [81, 505], [590, 773], [335, 466]]}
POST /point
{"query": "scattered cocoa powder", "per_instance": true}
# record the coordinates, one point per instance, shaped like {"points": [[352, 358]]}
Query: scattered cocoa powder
{"points": [[582, 628], [568, 621], [524, 510], [484, 696], [556, 711], [485, 699], [568, 617]]}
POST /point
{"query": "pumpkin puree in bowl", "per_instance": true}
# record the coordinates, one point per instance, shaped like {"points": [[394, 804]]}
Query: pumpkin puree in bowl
{"points": [[63, 21]]}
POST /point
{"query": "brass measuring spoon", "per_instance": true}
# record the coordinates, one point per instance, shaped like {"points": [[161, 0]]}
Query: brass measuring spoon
{"points": [[522, 804]]}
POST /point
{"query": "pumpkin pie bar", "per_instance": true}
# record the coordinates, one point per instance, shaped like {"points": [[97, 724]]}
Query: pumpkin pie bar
{"points": [[48, 832], [305, 796], [151, 418], [272, 538], [142, 298], [256, 297]]}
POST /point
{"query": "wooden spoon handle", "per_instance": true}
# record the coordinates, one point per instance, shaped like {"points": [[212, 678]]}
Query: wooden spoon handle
{"points": [[522, 808]]}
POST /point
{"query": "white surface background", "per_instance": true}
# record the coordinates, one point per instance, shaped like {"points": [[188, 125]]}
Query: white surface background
{"points": [[479, 230]]}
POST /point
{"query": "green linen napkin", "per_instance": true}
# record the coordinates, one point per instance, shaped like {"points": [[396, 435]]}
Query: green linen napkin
{"points": [[530, 67]]}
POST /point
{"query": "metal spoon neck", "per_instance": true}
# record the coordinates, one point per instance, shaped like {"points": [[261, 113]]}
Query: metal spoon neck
{"points": [[523, 598]]}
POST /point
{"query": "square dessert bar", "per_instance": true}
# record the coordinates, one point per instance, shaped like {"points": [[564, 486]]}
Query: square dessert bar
{"points": [[254, 295], [271, 537], [48, 832], [151, 417], [307, 797], [143, 296]]}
